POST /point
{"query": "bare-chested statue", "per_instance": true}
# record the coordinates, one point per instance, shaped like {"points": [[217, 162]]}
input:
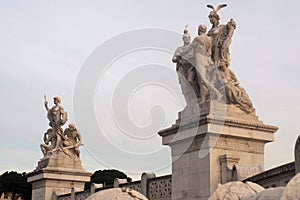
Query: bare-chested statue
{"points": [[57, 117], [61, 146], [207, 74], [72, 139], [50, 141]]}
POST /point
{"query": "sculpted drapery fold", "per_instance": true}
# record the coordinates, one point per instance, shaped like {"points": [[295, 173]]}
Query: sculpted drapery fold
{"points": [[207, 60]]}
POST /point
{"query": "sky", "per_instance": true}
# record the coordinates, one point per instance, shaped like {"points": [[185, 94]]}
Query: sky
{"points": [[63, 48]]}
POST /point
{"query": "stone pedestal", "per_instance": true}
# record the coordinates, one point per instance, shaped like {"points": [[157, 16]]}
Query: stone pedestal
{"points": [[207, 142], [57, 174]]}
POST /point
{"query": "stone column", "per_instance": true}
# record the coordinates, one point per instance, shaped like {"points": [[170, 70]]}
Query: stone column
{"points": [[199, 140]]}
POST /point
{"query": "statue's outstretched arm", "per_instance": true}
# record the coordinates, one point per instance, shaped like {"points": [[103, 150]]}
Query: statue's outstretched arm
{"points": [[46, 105]]}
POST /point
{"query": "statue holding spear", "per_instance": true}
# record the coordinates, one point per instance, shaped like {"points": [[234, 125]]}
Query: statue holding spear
{"points": [[57, 118]]}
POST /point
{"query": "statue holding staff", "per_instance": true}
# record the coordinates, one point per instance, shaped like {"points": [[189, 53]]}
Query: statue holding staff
{"points": [[57, 117]]}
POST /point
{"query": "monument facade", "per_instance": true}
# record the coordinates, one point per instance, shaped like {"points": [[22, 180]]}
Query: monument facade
{"points": [[60, 169], [218, 131], [217, 138]]}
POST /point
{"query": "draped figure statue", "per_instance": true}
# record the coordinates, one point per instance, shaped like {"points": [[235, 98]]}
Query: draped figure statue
{"points": [[203, 66], [221, 39], [207, 76], [186, 71]]}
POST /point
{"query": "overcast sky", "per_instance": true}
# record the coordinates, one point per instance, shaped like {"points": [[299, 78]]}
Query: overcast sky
{"points": [[45, 44]]}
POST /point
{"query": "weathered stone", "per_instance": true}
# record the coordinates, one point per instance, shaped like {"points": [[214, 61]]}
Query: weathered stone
{"points": [[95, 186], [297, 155], [234, 191], [268, 194], [46, 183], [255, 187], [145, 182], [276, 177], [203, 66], [292, 189], [117, 194], [198, 143], [119, 181], [60, 170]]}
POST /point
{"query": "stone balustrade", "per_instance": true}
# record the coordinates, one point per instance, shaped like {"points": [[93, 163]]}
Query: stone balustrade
{"points": [[154, 188]]}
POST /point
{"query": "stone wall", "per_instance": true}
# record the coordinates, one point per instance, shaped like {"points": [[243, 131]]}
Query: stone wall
{"points": [[154, 188], [160, 188], [276, 177], [136, 185]]}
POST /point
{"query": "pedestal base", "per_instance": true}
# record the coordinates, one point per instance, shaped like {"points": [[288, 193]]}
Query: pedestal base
{"points": [[57, 174], [206, 148]]}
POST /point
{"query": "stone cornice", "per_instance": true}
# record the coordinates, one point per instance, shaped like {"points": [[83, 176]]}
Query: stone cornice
{"points": [[257, 125], [60, 171], [286, 168]]}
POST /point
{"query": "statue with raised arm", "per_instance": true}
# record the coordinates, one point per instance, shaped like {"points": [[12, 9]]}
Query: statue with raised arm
{"points": [[57, 117], [186, 71], [61, 145], [221, 39]]}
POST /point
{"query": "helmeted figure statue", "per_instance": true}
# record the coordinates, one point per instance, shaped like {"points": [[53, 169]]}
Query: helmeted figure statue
{"points": [[204, 64], [221, 39], [186, 72]]}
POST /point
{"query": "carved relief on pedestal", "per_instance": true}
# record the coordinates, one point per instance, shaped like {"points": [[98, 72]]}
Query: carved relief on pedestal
{"points": [[240, 145]]}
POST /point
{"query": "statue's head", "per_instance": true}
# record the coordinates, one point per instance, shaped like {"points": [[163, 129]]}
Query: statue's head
{"points": [[49, 131], [72, 126], [56, 99], [202, 29], [186, 36], [213, 16]]}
